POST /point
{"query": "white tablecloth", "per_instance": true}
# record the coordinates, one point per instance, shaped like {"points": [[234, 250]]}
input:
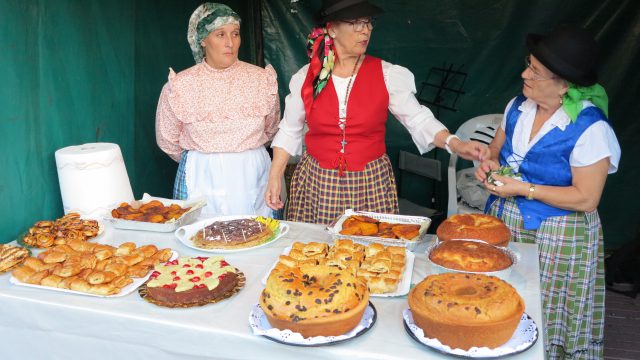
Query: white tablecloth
{"points": [[42, 324]]}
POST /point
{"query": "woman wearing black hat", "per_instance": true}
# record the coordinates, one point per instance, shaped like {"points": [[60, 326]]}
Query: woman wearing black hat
{"points": [[344, 96], [557, 137]]}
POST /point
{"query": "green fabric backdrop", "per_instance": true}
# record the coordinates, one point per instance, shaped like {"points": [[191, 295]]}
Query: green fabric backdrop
{"points": [[85, 71]]}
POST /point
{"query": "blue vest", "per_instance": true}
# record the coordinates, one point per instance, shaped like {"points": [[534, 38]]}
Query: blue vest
{"points": [[546, 163]]}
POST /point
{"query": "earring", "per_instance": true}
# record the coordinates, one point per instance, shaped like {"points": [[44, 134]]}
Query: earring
{"points": [[333, 35], [560, 99]]}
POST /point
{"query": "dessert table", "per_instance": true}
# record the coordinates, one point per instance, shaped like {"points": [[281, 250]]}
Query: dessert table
{"points": [[43, 324]]}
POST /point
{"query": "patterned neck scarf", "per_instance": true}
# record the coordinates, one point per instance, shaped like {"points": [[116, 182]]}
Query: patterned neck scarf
{"points": [[572, 99], [321, 61], [206, 18]]}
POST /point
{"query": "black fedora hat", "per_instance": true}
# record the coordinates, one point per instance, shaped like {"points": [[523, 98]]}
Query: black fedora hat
{"points": [[332, 10], [569, 52]]}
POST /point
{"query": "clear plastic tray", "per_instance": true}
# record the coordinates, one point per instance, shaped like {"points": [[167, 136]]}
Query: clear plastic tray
{"points": [[169, 226], [424, 222]]}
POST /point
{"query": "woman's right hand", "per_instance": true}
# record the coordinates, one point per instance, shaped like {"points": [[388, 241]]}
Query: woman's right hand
{"points": [[272, 194], [484, 168]]}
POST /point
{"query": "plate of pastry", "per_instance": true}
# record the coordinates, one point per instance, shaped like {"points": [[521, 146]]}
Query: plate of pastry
{"points": [[387, 229], [155, 214], [48, 233], [387, 269], [229, 234], [91, 269]]}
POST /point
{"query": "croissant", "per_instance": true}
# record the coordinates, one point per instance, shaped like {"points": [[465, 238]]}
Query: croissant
{"points": [[23, 273], [68, 270], [117, 268], [100, 277], [137, 271], [163, 255], [51, 281], [148, 250], [132, 259], [125, 249], [79, 284], [104, 254], [53, 256], [121, 281], [103, 289]]}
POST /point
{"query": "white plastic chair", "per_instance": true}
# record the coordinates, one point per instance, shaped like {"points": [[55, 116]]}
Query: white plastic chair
{"points": [[464, 132]]}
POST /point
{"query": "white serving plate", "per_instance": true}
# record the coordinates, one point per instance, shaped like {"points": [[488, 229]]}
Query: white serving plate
{"points": [[502, 274], [185, 233], [187, 218], [403, 287], [123, 292], [424, 222], [260, 326], [525, 335]]}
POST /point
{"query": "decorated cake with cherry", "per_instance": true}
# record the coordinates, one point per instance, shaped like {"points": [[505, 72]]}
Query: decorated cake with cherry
{"points": [[192, 280]]}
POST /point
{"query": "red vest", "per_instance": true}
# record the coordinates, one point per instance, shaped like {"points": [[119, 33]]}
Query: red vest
{"points": [[366, 117]]}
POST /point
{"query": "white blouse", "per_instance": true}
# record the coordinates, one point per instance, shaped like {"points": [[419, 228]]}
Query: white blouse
{"points": [[596, 143], [418, 119]]}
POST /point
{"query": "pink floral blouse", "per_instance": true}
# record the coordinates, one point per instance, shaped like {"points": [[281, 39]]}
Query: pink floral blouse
{"points": [[211, 110]]}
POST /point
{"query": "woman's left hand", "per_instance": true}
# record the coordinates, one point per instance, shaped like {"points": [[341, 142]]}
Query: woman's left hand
{"points": [[471, 150], [511, 187]]}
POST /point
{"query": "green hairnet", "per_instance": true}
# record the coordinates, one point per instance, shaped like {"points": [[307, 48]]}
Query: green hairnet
{"points": [[206, 18]]}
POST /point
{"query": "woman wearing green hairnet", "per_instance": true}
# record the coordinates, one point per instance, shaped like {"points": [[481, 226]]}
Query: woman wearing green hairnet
{"points": [[557, 137], [214, 118]]}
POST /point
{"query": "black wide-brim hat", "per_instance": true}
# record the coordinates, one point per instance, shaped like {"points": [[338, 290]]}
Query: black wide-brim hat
{"points": [[569, 52], [333, 10]]}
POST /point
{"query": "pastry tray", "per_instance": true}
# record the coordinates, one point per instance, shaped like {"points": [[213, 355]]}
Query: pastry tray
{"points": [[403, 287], [169, 226], [123, 292], [424, 222]]}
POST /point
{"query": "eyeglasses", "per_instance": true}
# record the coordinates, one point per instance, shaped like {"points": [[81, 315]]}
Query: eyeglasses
{"points": [[536, 76], [358, 25]]}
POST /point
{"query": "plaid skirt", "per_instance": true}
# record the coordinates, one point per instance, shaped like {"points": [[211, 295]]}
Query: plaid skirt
{"points": [[320, 195], [571, 279]]}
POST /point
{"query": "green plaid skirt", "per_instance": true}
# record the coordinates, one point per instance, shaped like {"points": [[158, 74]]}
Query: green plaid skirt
{"points": [[320, 195], [571, 279]]}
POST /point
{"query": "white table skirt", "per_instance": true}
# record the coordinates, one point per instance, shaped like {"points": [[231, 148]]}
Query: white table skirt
{"points": [[41, 324]]}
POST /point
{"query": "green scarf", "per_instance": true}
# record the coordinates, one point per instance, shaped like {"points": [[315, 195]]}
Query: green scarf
{"points": [[572, 100]]}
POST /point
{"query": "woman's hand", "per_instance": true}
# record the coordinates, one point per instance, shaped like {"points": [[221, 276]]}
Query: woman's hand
{"points": [[470, 150], [274, 185], [511, 187], [484, 168], [272, 194]]}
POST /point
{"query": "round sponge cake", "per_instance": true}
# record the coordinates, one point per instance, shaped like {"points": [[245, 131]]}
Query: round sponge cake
{"points": [[314, 300], [466, 310], [472, 256], [483, 227]]}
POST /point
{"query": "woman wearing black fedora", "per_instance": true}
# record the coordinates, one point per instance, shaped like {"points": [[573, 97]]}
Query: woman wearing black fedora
{"points": [[344, 96], [558, 138]]}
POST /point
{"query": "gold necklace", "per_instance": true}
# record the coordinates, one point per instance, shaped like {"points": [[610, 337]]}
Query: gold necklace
{"points": [[342, 120]]}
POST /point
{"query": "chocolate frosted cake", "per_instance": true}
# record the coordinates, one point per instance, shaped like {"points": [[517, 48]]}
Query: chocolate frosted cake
{"points": [[232, 234]]}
